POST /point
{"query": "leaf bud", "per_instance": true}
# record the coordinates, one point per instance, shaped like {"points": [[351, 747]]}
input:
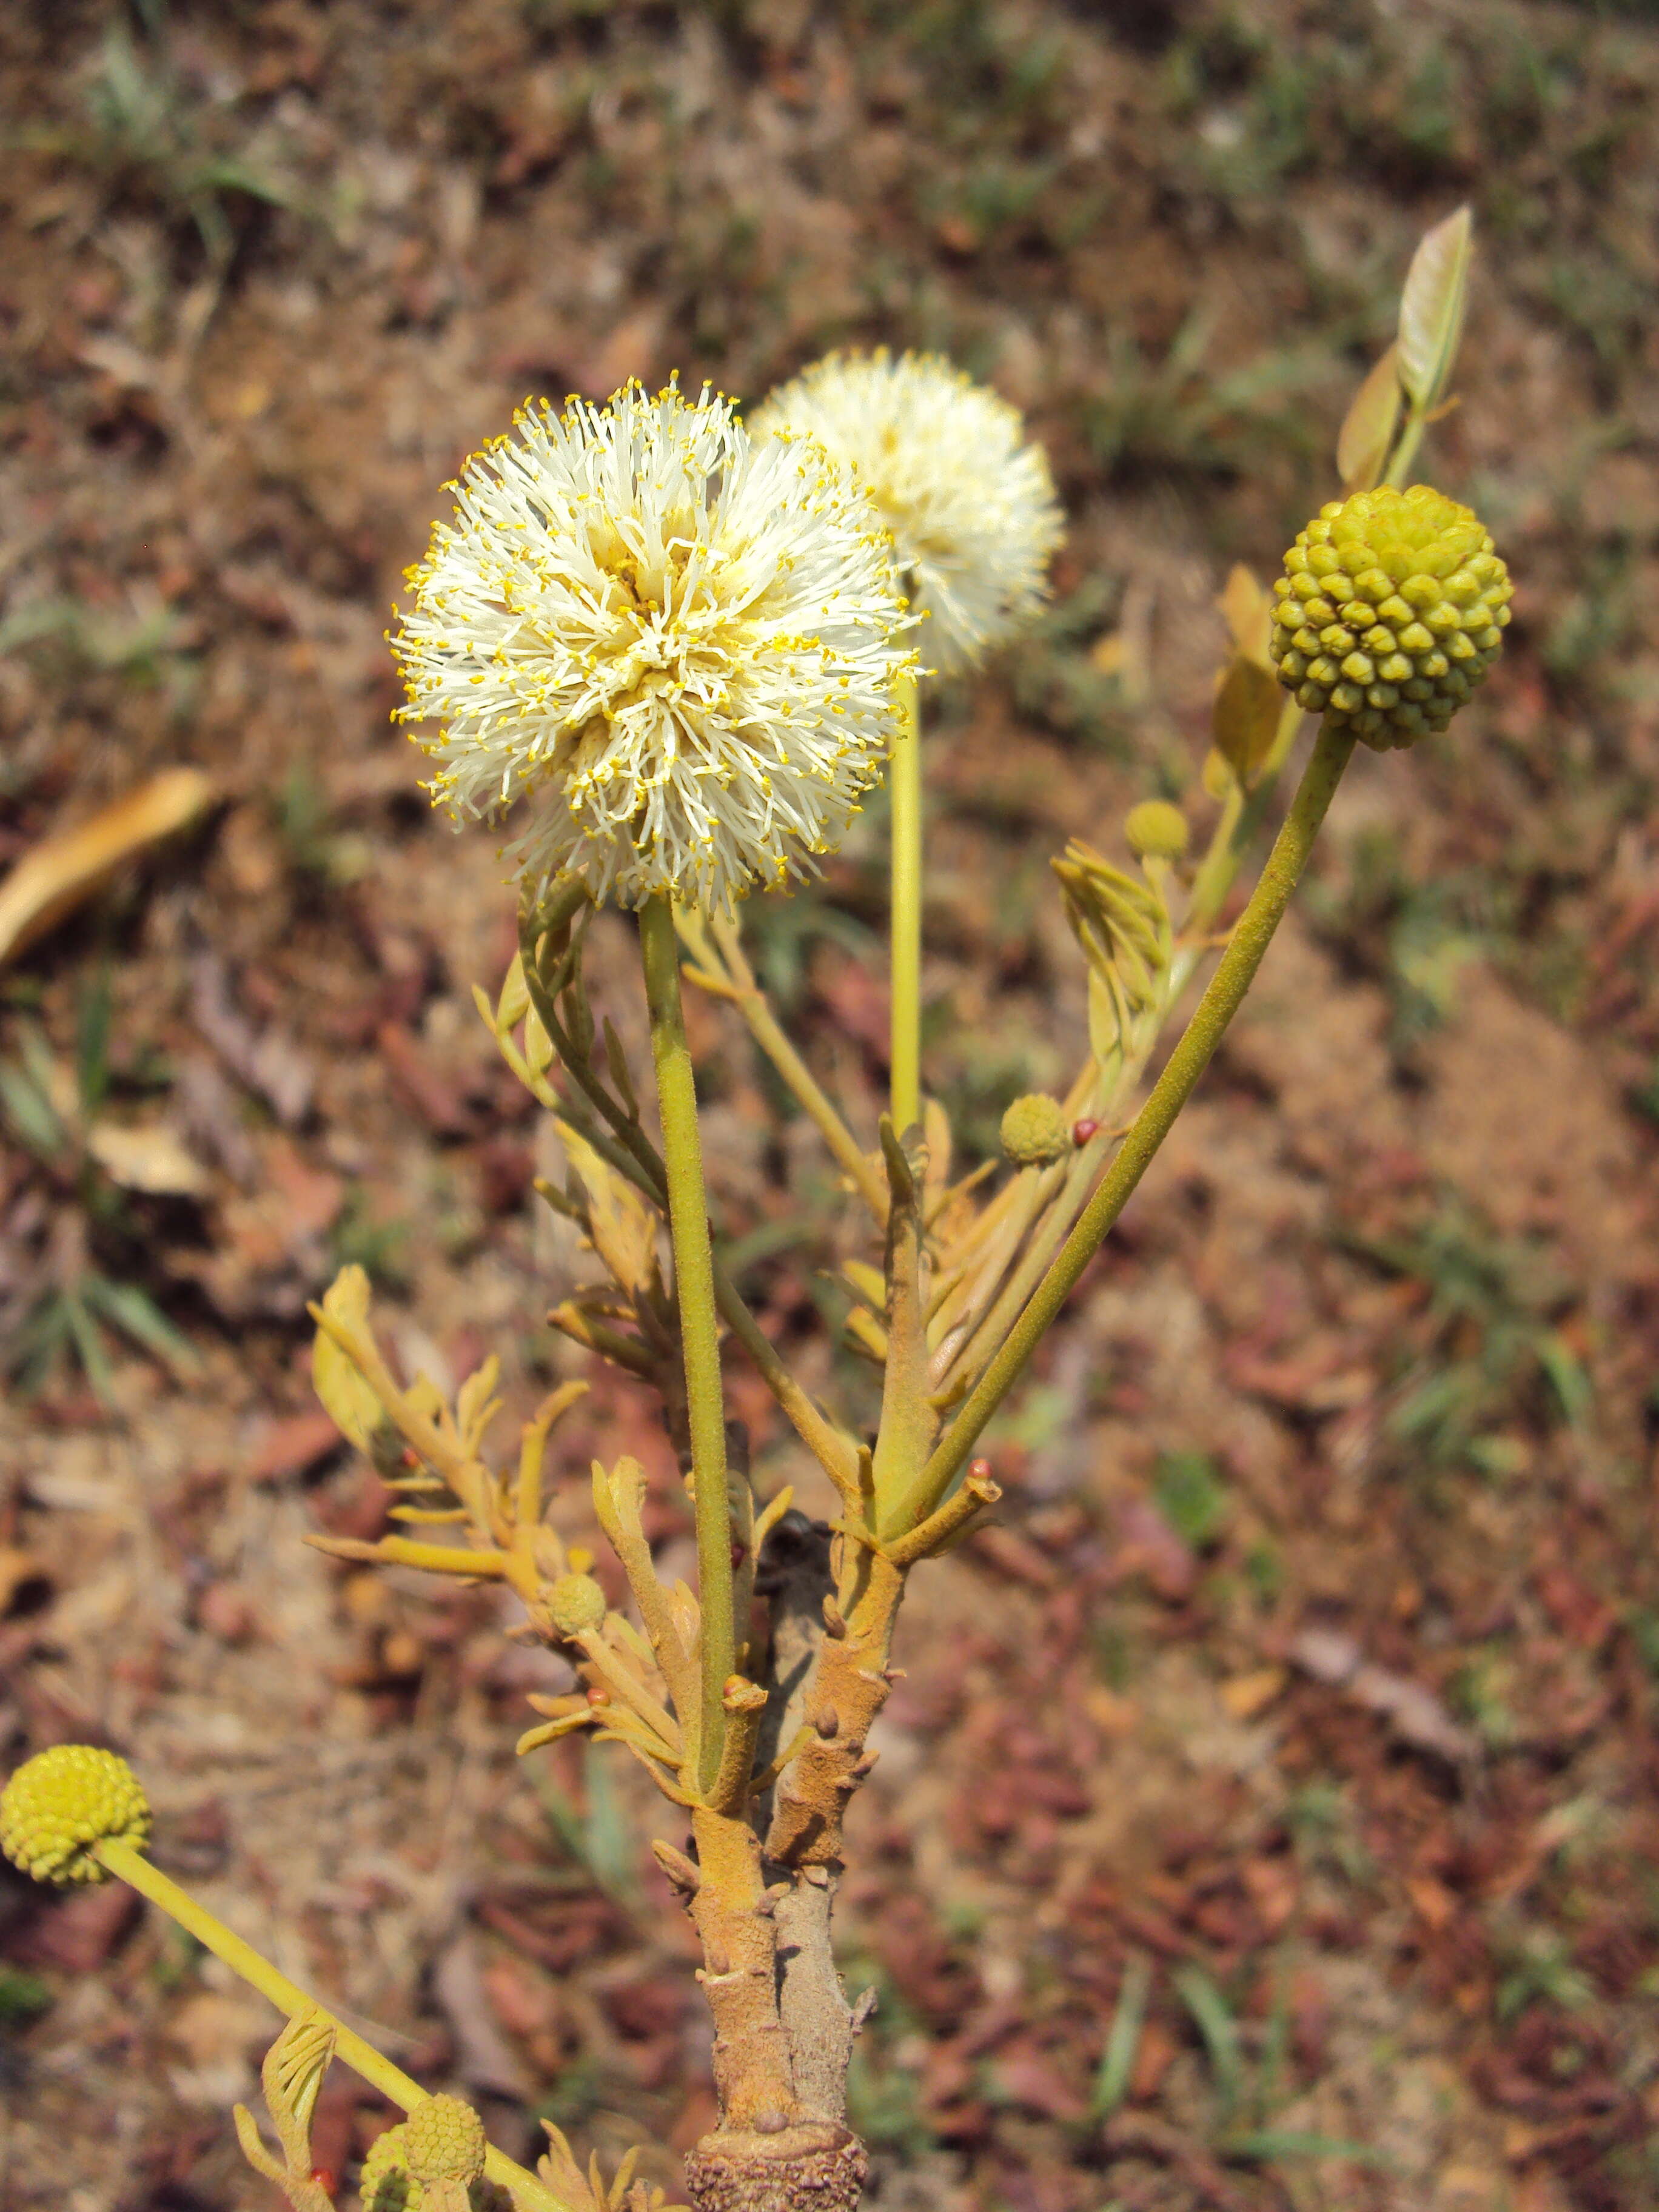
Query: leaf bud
{"points": [[1035, 1131], [575, 1603], [444, 2141], [1156, 830]]}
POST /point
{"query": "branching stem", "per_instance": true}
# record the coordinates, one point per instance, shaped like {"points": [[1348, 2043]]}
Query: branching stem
{"points": [[1220, 1002]]}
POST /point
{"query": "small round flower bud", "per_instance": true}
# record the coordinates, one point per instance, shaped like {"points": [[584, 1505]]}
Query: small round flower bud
{"points": [[63, 1801], [1035, 1132], [385, 2183], [575, 1603], [444, 2141], [1156, 830], [1391, 608]]}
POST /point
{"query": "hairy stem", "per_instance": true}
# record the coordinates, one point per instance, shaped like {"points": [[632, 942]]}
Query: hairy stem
{"points": [[904, 783], [694, 1284], [1242, 817], [1249, 940], [129, 1864]]}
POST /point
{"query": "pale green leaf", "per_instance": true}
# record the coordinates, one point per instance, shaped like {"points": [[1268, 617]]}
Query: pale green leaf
{"points": [[1248, 705], [1431, 309], [514, 1001], [1368, 429], [346, 1397], [538, 1045], [1248, 612], [475, 1407]]}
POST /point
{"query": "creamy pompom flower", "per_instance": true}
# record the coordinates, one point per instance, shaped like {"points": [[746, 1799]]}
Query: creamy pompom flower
{"points": [[970, 500], [678, 641]]}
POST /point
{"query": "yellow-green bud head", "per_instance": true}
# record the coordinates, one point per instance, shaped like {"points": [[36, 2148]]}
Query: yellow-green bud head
{"points": [[444, 2141], [575, 1603], [1035, 1132], [1156, 830], [1392, 607], [61, 1802], [385, 2183]]}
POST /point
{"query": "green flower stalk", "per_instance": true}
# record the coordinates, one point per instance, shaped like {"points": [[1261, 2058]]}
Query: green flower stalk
{"points": [[970, 505]]}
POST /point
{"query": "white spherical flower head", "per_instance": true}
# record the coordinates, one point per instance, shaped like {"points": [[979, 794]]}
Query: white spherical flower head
{"points": [[968, 499], [680, 641]]}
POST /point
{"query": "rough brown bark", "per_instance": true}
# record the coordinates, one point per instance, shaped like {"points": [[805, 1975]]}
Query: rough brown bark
{"points": [[814, 2167], [847, 1687], [753, 2076], [783, 2027]]}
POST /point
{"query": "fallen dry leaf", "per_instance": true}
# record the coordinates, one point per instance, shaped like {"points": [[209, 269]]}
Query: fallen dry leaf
{"points": [[150, 1158], [79, 1933], [63, 874], [484, 2058], [1415, 1715], [267, 1061], [293, 1444], [1246, 1695]]}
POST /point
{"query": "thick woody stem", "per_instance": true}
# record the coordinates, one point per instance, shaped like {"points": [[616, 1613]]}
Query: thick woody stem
{"points": [[733, 1915], [849, 1687], [770, 2153], [816, 2018]]}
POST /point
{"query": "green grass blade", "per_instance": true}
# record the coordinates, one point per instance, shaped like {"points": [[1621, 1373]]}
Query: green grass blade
{"points": [[89, 1341], [30, 1112], [1266, 2145], [136, 1314], [92, 1026], [1220, 2030], [1117, 2061]]}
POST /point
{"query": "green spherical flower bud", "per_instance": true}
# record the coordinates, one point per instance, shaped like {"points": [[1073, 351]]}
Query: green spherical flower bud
{"points": [[1392, 607], [385, 2183], [61, 1802], [1035, 1131], [444, 2141], [575, 1603], [1156, 830]]}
